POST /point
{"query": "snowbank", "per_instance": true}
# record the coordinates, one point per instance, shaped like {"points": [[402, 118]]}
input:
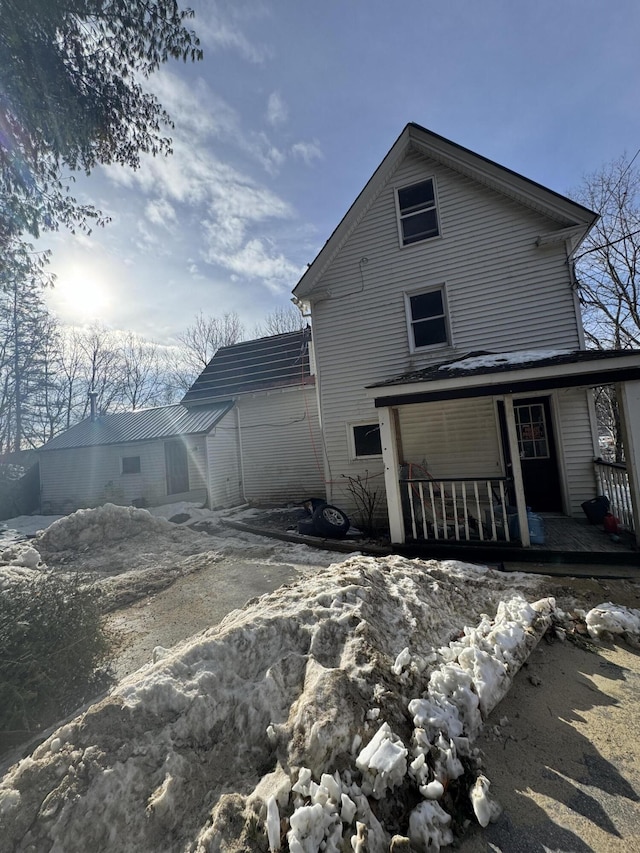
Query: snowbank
{"points": [[361, 684], [88, 528]]}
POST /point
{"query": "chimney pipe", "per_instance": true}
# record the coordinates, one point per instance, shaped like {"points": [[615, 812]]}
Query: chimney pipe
{"points": [[92, 399]]}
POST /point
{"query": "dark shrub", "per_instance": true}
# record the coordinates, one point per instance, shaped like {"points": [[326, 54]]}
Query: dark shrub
{"points": [[53, 651]]}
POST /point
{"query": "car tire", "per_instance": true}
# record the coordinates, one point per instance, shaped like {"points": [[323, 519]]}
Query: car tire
{"points": [[306, 527], [331, 522]]}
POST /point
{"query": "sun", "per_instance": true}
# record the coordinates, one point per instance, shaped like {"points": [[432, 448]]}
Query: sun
{"points": [[81, 294]]}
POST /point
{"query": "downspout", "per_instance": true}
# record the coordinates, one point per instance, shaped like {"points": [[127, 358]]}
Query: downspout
{"points": [[576, 296]]}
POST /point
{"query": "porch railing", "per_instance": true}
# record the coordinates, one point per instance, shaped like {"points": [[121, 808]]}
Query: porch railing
{"points": [[613, 481], [458, 509]]}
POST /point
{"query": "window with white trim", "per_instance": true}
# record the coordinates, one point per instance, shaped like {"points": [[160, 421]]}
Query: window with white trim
{"points": [[427, 318], [417, 212], [130, 464], [366, 440]]}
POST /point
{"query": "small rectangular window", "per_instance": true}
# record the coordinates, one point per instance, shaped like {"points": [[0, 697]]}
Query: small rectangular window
{"points": [[130, 464], [366, 440], [418, 212], [427, 318]]}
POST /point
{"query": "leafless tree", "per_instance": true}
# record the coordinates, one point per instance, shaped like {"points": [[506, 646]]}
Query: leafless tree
{"points": [[102, 371], [144, 377], [608, 273], [279, 321], [607, 265], [200, 342]]}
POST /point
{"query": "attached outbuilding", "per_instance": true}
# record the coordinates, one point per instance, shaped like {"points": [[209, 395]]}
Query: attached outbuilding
{"points": [[247, 431], [274, 425], [143, 458]]}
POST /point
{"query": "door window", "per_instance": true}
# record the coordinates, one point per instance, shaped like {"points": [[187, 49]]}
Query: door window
{"points": [[531, 429]]}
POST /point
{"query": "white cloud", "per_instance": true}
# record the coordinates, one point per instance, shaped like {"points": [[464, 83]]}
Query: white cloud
{"points": [[217, 30], [200, 116], [215, 206], [253, 260], [307, 151], [160, 212], [277, 112]]}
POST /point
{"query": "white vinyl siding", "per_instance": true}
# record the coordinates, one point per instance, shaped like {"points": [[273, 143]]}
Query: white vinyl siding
{"points": [[225, 487], [503, 293], [278, 432], [576, 446], [454, 438], [91, 476]]}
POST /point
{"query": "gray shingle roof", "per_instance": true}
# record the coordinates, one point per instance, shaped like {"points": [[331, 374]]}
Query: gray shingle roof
{"points": [[141, 425], [442, 370], [273, 362]]}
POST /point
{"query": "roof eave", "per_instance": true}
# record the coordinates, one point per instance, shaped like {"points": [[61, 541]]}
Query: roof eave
{"points": [[627, 367]]}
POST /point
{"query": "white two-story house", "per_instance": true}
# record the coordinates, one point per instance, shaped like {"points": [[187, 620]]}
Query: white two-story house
{"points": [[451, 368]]}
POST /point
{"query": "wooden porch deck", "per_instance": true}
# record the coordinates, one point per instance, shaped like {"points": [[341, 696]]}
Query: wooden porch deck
{"points": [[567, 540], [573, 534]]}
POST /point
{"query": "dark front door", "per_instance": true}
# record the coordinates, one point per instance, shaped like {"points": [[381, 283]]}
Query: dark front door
{"points": [[537, 449], [177, 465]]}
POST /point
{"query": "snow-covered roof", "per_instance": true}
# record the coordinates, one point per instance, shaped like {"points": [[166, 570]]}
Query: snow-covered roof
{"points": [[140, 425], [477, 373], [271, 362]]}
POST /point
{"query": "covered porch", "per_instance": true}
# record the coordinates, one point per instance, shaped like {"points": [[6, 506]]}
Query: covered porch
{"points": [[499, 450]]}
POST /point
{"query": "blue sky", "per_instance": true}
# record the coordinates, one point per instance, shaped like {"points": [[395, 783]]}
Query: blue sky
{"points": [[295, 104]]}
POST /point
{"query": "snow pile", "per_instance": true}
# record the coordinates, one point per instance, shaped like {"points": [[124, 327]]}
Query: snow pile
{"points": [[109, 523], [15, 574], [614, 619], [20, 554], [289, 721], [114, 540]]}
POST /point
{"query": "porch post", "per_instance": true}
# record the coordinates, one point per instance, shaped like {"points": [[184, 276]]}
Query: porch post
{"points": [[391, 461], [516, 470], [628, 396]]}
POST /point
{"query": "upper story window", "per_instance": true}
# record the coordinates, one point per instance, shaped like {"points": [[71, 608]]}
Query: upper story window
{"points": [[427, 318], [417, 212]]}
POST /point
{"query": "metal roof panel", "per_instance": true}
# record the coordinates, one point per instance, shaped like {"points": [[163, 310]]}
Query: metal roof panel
{"points": [[140, 425]]}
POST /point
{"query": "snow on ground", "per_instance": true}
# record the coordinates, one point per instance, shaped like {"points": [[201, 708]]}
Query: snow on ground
{"points": [[134, 552], [329, 715], [344, 705], [22, 526]]}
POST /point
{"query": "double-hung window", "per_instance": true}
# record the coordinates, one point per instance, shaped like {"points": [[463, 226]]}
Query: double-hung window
{"points": [[417, 212], [427, 318]]}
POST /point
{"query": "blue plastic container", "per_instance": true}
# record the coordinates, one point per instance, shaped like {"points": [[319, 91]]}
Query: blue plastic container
{"points": [[535, 524]]}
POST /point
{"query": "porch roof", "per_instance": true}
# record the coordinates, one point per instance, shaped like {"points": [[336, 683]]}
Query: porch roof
{"points": [[487, 374]]}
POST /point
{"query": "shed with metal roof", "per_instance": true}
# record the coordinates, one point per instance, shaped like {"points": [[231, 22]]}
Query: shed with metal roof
{"points": [[146, 457]]}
